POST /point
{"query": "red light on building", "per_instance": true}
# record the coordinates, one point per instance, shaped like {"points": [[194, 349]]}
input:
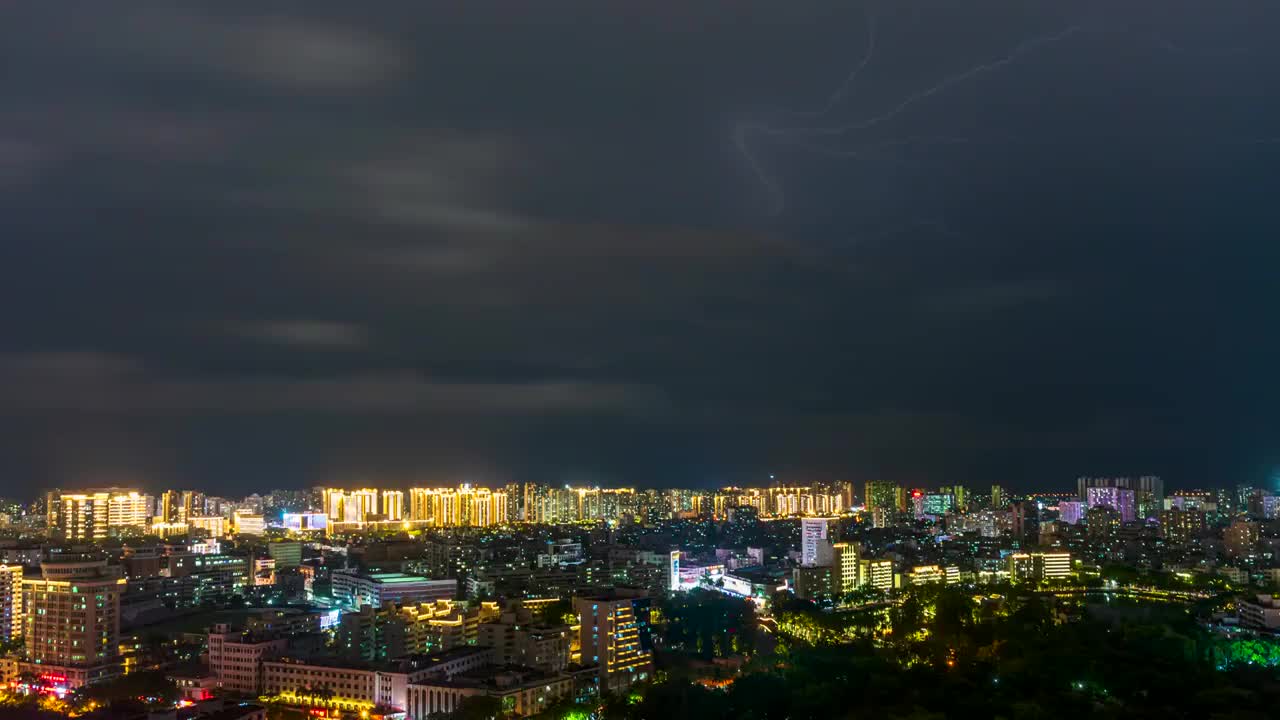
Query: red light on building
{"points": [[916, 493]]}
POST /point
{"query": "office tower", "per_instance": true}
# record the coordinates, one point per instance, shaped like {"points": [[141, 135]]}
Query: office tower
{"points": [[844, 565], [1121, 500], [95, 514], [875, 573], [72, 620], [932, 575], [614, 635], [247, 523], [235, 658], [1181, 526], [393, 505], [10, 602], [881, 494], [816, 535], [1148, 491], [1039, 566], [1071, 512]]}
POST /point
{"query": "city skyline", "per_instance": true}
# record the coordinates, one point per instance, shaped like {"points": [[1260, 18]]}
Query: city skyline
{"points": [[929, 243]]}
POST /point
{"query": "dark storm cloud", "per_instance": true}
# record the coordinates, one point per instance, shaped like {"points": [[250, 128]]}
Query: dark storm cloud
{"points": [[279, 242]]}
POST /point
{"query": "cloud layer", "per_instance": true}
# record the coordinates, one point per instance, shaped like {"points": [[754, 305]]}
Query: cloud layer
{"points": [[256, 243]]}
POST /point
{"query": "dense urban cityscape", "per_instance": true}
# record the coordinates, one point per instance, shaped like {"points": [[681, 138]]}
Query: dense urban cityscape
{"points": [[560, 602], [649, 360]]}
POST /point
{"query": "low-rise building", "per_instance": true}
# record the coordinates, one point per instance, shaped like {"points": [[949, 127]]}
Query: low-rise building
{"points": [[235, 657], [1260, 613], [376, 589], [358, 686], [1039, 566], [522, 691]]}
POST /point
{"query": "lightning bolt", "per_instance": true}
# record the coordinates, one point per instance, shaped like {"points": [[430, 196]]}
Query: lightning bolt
{"points": [[840, 92], [800, 136]]}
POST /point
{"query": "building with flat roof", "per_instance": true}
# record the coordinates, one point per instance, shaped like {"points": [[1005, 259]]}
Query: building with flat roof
{"points": [[11, 617], [359, 686], [375, 589], [235, 657], [72, 621], [522, 691], [614, 635], [1039, 566], [95, 514], [1260, 613]]}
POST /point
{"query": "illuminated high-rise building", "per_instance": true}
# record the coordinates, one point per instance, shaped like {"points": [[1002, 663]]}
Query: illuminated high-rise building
{"points": [[816, 535], [1240, 538], [170, 510], [515, 498], [1181, 526], [1119, 499], [959, 496], [211, 525], [393, 505], [481, 507], [614, 635], [72, 620], [1071, 512], [1148, 492], [881, 494], [353, 507], [845, 567], [998, 497], [93, 515], [1039, 566], [875, 573], [11, 617], [193, 505]]}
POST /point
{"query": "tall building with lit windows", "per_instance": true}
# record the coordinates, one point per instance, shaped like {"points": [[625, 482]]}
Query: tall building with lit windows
{"points": [[393, 505], [170, 510], [94, 514], [350, 506], [72, 620], [844, 566], [11, 617], [614, 635], [880, 494], [816, 535], [1039, 566], [876, 573]]}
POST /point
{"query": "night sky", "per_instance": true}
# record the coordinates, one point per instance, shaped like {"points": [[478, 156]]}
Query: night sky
{"points": [[278, 244]]}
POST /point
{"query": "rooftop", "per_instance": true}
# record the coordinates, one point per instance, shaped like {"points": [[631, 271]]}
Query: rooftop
{"points": [[494, 677], [399, 578]]}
